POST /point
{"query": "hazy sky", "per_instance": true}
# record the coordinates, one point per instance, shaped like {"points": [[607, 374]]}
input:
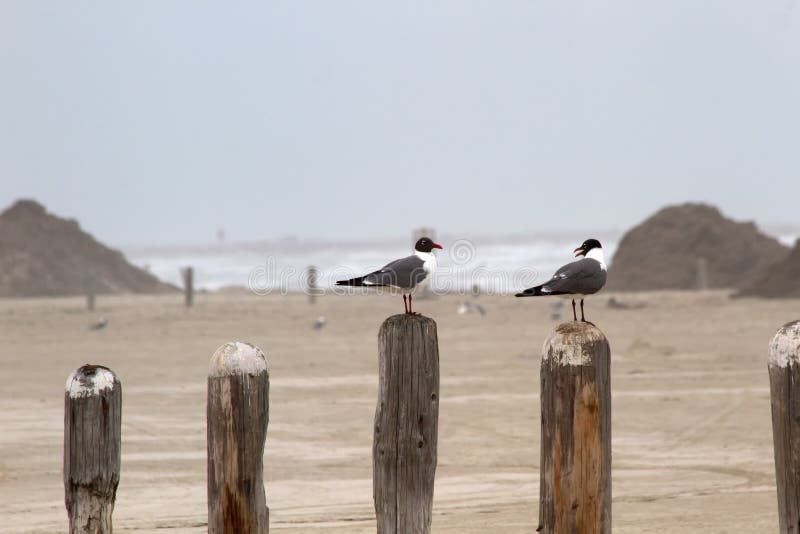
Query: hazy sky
{"points": [[160, 121]]}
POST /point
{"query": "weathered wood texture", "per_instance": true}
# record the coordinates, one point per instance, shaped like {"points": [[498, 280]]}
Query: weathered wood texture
{"points": [[237, 418], [784, 382], [188, 286], [92, 423], [575, 468], [406, 425]]}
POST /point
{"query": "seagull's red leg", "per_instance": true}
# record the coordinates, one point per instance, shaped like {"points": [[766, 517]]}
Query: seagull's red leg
{"points": [[582, 317], [409, 306], [574, 315], [405, 304]]}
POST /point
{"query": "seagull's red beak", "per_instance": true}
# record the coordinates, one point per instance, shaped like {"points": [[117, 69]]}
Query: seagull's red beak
{"points": [[436, 245], [579, 251]]}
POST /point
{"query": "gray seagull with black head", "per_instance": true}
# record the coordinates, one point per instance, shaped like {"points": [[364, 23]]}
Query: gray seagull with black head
{"points": [[575, 280], [404, 275]]}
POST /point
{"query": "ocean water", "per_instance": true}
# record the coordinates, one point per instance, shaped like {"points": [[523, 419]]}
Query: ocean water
{"points": [[496, 265]]}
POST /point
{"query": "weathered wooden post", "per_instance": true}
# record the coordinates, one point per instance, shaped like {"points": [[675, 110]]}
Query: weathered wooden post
{"points": [[702, 274], [406, 424], [92, 423], [784, 385], [188, 286], [237, 417], [575, 468], [312, 279]]}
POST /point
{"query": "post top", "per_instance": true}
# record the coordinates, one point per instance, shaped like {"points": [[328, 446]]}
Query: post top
{"points": [[237, 358], [578, 327], [402, 321], [784, 348], [409, 318], [89, 381], [571, 343]]}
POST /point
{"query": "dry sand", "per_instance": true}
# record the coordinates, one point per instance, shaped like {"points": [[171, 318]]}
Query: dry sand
{"points": [[691, 413]]}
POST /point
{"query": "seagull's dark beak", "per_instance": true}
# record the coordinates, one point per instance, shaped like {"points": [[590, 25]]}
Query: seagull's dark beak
{"points": [[579, 251], [436, 245]]}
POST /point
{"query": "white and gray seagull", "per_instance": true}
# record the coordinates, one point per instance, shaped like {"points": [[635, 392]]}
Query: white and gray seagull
{"points": [[404, 275], [577, 279]]}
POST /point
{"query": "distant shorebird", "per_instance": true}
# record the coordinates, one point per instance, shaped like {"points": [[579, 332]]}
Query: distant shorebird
{"points": [[404, 275], [319, 323], [577, 279], [100, 324], [468, 307]]}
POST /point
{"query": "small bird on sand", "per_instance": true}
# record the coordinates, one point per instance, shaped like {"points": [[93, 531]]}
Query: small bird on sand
{"points": [[404, 275], [100, 324], [469, 307], [577, 279]]}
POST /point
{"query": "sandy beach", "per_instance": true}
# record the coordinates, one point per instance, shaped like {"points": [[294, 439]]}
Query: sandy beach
{"points": [[692, 445]]}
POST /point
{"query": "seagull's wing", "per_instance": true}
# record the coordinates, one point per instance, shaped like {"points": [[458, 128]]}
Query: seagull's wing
{"points": [[404, 273], [582, 277]]}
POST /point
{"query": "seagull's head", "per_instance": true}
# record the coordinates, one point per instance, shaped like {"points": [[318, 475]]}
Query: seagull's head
{"points": [[587, 245], [426, 244]]}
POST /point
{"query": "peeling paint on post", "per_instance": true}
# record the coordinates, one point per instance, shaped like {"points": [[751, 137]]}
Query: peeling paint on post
{"points": [[92, 436], [237, 418], [575, 468], [406, 425], [784, 383]]}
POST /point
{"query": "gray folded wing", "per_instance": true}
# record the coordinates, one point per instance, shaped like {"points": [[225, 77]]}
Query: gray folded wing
{"points": [[404, 273], [582, 277]]}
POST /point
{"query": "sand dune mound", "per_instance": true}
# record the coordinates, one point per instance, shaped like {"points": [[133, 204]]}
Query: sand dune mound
{"points": [[44, 255], [663, 251], [780, 280]]}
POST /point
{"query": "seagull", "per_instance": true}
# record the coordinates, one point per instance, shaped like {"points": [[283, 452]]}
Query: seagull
{"points": [[467, 307], [100, 324], [577, 279], [405, 274]]}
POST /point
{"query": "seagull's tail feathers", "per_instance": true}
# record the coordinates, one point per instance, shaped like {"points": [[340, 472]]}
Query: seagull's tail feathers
{"points": [[352, 282], [531, 292], [361, 281], [538, 292]]}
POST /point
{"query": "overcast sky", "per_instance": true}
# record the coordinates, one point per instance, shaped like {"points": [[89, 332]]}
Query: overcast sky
{"points": [[161, 121]]}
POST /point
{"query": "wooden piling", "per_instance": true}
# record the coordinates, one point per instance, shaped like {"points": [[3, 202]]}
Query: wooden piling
{"points": [[312, 279], [237, 417], [702, 274], [92, 424], [406, 425], [784, 382], [575, 467], [188, 286]]}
